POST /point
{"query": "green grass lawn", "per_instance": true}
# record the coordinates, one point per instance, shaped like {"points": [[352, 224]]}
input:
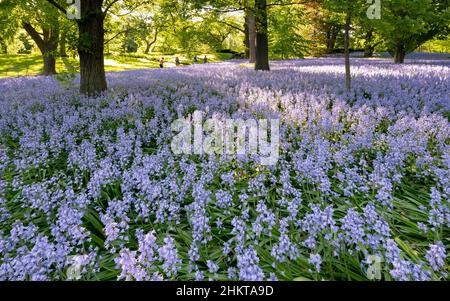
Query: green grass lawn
{"points": [[14, 65]]}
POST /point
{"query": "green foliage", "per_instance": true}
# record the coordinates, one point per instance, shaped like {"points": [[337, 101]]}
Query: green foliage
{"points": [[412, 22], [285, 39], [437, 45], [203, 26], [27, 46]]}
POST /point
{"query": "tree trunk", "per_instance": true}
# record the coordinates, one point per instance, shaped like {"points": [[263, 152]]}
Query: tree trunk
{"points": [[62, 45], [332, 34], [147, 47], [399, 54], [3, 46], [369, 47], [369, 51], [91, 48], [149, 44], [246, 31], [250, 32], [262, 39], [51, 39], [47, 44], [49, 65], [252, 38], [329, 46], [348, 22]]}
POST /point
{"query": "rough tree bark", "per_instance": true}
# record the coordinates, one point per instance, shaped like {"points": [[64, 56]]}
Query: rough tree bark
{"points": [[262, 40], [47, 44], [91, 47]]}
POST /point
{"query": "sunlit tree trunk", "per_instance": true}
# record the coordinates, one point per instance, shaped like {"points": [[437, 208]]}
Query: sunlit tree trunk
{"points": [[47, 43], [252, 37], [250, 32], [348, 21]]}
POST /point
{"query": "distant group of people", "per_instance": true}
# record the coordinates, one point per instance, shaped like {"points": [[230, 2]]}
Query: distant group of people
{"points": [[205, 60], [162, 61]]}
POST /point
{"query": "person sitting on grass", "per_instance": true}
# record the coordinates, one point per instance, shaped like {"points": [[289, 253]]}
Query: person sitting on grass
{"points": [[195, 60], [161, 63], [177, 61]]}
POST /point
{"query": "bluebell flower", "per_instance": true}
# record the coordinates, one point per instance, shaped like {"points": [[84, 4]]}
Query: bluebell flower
{"points": [[316, 261]]}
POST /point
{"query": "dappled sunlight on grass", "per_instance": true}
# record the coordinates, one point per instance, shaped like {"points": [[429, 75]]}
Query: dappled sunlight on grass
{"points": [[31, 65], [28, 65]]}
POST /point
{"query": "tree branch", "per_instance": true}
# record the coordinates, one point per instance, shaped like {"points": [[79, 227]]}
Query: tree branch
{"points": [[288, 3], [34, 35], [231, 25], [236, 9], [108, 7], [118, 34], [59, 7]]}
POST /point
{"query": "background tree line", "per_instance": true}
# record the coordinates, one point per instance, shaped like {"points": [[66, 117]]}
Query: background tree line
{"points": [[258, 30]]}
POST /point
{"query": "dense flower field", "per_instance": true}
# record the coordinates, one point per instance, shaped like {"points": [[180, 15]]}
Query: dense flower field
{"points": [[92, 186]]}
